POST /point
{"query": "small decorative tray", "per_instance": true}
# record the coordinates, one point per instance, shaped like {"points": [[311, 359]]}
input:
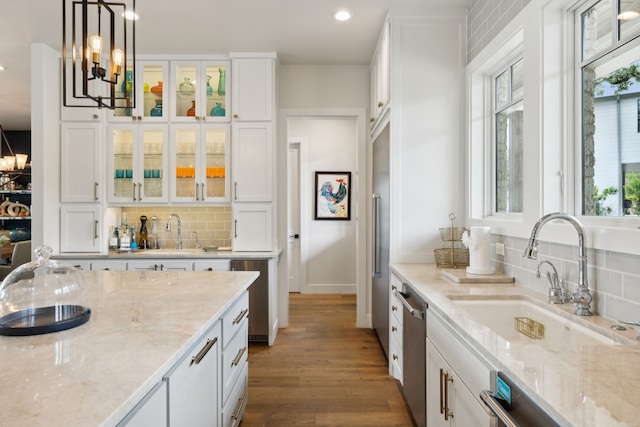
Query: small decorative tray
{"points": [[44, 320], [461, 276]]}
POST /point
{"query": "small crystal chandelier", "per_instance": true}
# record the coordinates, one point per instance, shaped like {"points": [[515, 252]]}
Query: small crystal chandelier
{"points": [[91, 29]]}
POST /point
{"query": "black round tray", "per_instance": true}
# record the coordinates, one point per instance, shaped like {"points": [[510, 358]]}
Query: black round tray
{"points": [[35, 321]]}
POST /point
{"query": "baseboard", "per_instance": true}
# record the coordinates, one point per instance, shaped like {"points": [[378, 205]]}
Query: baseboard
{"points": [[329, 289]]}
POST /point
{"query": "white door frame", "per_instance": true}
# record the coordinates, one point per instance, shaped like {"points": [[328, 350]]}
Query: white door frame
{"points": [[300, 145], [359, 206]]}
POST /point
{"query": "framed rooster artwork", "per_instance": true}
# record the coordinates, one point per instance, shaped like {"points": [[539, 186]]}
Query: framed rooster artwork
{"points": [[333, 196]]}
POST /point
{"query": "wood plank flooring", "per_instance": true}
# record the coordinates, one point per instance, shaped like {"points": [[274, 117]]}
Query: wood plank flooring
{"points": [[323, 371]]}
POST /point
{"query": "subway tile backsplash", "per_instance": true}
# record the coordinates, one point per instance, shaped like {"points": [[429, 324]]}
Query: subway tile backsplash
{"points": [[211, 223], [613, 277]]}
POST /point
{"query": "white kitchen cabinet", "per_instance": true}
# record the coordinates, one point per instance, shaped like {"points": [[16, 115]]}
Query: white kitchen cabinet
{"points": [[233, 410], [252, 227], [151, 98], [235, 350], [457, 376], [253, 89], [194, 384], [81, 158], [199, 91], [113, 265], [395, 329], [150, 411], [212, 265], [80, 228], [199, 165], [252, 162], [379, 77], [138, 161], [160, 265]]}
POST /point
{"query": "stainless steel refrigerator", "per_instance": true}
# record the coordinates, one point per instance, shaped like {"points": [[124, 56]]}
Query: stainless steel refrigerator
{"points": [[380, 239]]}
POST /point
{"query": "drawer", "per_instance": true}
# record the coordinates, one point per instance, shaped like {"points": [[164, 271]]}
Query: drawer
{"points": [[233, 411], [212, 265], [395, 308], [234, 360], [235, 318], [395, 358]]}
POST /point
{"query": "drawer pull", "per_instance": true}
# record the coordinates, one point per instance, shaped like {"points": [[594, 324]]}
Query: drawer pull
{"points": [[240, 316], [393, 329], [202, 353], [394, 308], [236, 412], [395, 357], [238, 357]]}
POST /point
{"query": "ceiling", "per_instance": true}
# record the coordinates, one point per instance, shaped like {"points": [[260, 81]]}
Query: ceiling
{"points": [[300, 31]]}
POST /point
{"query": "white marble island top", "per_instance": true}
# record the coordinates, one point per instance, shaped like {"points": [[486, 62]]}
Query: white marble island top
{"points": [[93, 375], [585, 386]]}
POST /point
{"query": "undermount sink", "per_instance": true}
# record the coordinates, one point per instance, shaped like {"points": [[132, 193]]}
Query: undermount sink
{"points": [[519, 320]]}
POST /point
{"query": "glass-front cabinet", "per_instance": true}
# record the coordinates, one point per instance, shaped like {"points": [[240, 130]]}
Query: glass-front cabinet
{"points": [[138, 163], [200, 163], [199, 91], [151, 98]]}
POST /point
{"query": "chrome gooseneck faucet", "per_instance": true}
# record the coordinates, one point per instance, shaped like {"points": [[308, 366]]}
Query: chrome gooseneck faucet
{"points": [[168, 228], [582, 298]]}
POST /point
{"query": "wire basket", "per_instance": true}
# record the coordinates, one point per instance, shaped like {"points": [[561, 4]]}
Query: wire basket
{"points": [[530, 328], [451, 234], [452, 257]]}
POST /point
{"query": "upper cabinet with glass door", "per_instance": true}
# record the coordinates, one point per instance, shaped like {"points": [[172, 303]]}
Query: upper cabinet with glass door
{"points": [[151, 99], [199, 91], [199, 157], [138, 163]]}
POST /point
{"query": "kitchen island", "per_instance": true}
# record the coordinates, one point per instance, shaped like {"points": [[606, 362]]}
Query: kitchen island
{"points": [[577, 385], [142, 324]]}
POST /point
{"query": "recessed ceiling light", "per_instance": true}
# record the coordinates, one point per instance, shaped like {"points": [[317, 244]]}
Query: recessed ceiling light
{"points": [[130, 15], [342, 15], [2, 68], [628, 15]]}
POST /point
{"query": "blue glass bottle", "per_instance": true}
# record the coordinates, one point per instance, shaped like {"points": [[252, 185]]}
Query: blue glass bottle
{"points": [[157, 110], [218, 111]]}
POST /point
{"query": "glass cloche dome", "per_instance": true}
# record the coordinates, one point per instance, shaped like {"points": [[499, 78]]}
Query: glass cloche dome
{"points": [[43, 296]]}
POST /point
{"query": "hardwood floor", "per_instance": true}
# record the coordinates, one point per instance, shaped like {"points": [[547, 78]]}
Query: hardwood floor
{"points": [[322, 371]]}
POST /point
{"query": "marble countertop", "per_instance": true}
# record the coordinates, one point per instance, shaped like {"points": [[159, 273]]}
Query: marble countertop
{"points": [[141, 324], [585, 386], [170, 254]]}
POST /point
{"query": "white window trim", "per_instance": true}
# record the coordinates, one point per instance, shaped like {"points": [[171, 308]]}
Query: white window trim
{"points": [[552, 132]]}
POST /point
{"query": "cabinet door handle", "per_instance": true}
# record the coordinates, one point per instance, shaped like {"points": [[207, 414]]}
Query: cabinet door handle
{"points": [[441, 390], [95, 229], [240, 316], [393, 329], [140, 191], [134, 191], [238, 357], [197, 189], [203, 352], [235, 190], [202, 191], [394, 308], [95, 191], [447, 412], [235, 228], [380, 104], [235, 116], [236, 412]]}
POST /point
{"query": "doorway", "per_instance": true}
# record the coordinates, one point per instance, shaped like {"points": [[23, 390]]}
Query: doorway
{"points": [[332, 254]]}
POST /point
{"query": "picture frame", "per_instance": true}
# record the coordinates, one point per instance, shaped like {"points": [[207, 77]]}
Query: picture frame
{"points": [[332, 199]]}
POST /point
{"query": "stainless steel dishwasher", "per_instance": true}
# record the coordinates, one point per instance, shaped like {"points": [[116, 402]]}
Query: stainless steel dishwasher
{"points": [[258, 298], [414, 342]]}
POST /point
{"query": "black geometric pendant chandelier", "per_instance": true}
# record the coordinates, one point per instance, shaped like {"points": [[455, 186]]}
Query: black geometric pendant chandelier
{"points": [[98, 53]]}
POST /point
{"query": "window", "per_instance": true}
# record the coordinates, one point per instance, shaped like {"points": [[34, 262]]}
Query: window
{"points": [[508, 131], [609, 61]]}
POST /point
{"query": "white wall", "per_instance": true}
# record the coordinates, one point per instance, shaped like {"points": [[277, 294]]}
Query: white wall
{"points": [[330, 245], [324, 86]]}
